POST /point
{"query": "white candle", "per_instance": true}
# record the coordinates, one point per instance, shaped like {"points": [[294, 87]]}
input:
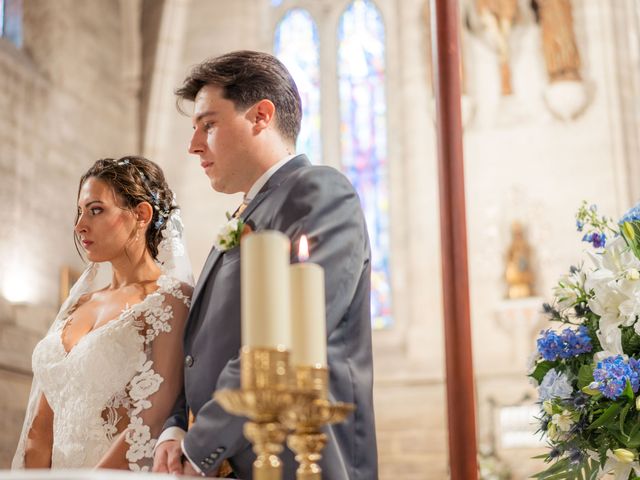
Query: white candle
{"points": [[309, 347], [265, 304]]}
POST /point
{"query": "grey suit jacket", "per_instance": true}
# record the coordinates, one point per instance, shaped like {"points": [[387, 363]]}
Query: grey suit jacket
{"points": [[298, 199]]}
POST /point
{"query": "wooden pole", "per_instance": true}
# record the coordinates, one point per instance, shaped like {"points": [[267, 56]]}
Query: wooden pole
{"points": [[445, 23]]}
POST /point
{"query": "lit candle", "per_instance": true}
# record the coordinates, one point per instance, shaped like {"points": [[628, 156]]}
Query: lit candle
{"points": [[265, 304], [309, 331]]}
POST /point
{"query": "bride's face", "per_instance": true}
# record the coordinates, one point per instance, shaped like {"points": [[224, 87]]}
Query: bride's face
{"points": [[105, 229]]}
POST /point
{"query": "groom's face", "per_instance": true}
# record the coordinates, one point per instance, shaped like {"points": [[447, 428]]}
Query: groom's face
{"points": [[223, 139]]}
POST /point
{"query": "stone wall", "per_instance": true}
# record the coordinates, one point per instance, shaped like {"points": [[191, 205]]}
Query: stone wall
{"points": [[64, 102]]}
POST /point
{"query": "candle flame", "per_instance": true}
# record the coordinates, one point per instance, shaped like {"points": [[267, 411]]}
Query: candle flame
{"points": [[303, 249]]}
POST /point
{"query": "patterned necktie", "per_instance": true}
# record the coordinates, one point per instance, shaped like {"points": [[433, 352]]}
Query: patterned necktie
{"points": [[239, 210]]}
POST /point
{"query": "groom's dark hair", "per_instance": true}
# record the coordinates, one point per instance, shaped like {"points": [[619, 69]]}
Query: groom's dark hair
{"points": [[246, 77]]}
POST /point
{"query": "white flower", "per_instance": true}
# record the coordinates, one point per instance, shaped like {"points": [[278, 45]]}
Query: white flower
{"points": [[632, 274], [566, 292], [623, 455], [563, 420], [620, 467], [229, 235], [555, 385], [615, 293]]}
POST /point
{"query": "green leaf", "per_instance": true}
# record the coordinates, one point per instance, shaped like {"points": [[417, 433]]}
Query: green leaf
{"points": [[634, 440], [585, 376], [544, 455], [627, 232], [623, 416], [560, 467], [541, 370], [609, 414], [628, 392]]}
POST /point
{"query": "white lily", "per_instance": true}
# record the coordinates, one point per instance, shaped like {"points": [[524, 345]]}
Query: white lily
{"points": [[563, 420], [616, 293], [620, 469]]}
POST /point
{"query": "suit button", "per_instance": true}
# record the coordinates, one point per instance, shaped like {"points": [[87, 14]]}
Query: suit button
{"points": [[188, 361], [220, 449]]}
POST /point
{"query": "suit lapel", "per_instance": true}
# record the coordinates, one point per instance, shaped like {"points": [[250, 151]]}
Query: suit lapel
{"points": [[276, 179], [213, 257]]}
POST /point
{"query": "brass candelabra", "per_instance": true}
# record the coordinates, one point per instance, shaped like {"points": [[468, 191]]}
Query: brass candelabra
{"points": [[263, 397], [309, 411], [277, 400]]}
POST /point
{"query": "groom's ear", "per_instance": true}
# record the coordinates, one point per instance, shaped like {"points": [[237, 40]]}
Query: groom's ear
{"points": [[263, 114]]}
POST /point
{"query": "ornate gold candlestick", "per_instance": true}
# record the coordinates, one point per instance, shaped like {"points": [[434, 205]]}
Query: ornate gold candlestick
{"points": [[309, 411], [263, 397]]}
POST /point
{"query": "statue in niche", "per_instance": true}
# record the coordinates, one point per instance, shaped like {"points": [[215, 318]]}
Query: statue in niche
{"points": [[518, 272], [558, 39], [498, 17]]}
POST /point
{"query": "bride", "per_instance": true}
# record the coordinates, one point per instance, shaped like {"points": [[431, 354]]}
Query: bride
{"points": [[110, 368]]}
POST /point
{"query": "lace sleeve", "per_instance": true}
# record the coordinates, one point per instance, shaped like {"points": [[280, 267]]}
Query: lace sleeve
{"points": [[153, 390]]}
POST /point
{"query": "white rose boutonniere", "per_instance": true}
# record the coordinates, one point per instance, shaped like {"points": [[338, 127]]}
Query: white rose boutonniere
{"points": [[229, 234]]}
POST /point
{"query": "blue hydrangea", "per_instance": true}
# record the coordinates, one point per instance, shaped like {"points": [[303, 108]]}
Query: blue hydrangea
{"points": [[549, 345], [576, 342], [579, 225], [612, 374], [570, 343], [597, 239], [632, 215]]}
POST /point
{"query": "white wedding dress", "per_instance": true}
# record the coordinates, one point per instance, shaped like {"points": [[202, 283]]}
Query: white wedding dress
{"points": [[123, 376], [120, 381]]}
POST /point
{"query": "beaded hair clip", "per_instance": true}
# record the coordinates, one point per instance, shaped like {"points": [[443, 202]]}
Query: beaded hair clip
{"points": [[163, 212]]}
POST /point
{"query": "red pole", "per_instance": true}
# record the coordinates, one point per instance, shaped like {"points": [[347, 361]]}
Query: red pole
{"points": [[455, 276]]}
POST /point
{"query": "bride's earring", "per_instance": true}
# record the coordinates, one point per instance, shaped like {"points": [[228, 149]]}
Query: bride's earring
{"points": [[140, 225]]}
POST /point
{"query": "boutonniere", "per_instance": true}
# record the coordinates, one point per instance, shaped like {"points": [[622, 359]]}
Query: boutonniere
{"points": [[230, 234]]}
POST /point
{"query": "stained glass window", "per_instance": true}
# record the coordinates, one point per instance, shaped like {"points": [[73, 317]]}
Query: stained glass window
{"points": [[361, 73], [296, 44], [11, 21]]}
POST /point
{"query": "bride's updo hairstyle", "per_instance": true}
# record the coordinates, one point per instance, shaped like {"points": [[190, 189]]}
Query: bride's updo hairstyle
{"points": [[135, 180]]}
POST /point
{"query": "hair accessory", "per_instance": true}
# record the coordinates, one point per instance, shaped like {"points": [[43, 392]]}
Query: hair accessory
{"points": [[163, 211]]}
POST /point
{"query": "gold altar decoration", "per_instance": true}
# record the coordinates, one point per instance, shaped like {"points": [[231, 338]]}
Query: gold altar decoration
{"points": [[309, 412], [518, 272], [263, 397], [498, 17], [558, 40], [277, 400]]}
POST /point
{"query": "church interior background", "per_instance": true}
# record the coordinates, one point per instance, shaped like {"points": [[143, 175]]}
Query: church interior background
{"points": [[551, 113]]}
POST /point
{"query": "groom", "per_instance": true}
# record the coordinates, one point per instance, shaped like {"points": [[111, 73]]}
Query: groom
{"points": [[246, 119]]}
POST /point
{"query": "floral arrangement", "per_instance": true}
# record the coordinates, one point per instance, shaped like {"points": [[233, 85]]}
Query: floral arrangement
{"points": [[587, 370]]}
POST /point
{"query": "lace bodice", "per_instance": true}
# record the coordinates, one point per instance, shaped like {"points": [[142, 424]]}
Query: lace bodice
{"points": [[120, 379]]}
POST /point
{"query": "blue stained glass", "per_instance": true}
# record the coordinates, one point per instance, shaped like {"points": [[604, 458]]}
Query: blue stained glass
{"points": [[11, 21], [363, 137], [296, 44]]}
